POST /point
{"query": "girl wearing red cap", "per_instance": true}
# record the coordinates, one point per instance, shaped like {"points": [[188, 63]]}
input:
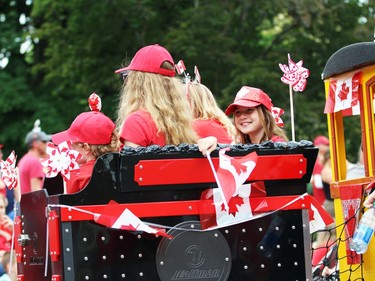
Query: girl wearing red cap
{"points": [[92, 134], [153, 109], [252, 114]]}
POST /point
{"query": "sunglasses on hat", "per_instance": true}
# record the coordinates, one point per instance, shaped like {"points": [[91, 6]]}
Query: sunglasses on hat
{"points": [[124, 75]]}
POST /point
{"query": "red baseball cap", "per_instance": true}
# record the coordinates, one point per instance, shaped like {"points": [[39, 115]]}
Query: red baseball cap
{"points": [[150, 59], [250, 97], [91, 127], [321, 140]]}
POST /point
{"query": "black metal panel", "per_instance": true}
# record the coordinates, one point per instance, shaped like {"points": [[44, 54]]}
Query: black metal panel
{"points": [[105, 254], [34, 225]]}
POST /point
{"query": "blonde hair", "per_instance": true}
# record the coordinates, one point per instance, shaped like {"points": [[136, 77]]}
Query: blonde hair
{"points": [[269, 125], [204, 106], [163, 98], [100, 149]]}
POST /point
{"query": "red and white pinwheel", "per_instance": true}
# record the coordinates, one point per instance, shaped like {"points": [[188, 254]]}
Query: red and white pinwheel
{"points": [[9, 173], [95, 102], [61, 159], [294, 74], [277, 112]]}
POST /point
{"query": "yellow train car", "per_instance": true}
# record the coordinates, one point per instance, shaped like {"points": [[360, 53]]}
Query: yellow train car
{"points": [[349, 79]]}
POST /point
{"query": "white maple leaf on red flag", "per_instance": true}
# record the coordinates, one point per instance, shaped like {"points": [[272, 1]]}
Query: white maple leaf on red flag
{"points": [[61, 159], [233, 172], [9, 173], [277, 112], [180, 67], [113, 215], [294, 74]]}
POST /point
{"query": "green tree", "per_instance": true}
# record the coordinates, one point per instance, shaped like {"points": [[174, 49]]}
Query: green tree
{"points": [[76, 45]]}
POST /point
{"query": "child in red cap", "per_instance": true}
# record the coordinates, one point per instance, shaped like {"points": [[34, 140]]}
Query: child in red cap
{"points": [[153, 109], [92, 134], [252, 113]]}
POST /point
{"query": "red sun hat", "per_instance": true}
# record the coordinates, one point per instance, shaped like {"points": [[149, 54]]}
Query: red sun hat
{"points": [[91, 127], [250, 97], [150, 59]]}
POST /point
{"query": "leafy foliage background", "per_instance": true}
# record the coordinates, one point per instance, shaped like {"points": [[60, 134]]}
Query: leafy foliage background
{"points": [[76, 45]]}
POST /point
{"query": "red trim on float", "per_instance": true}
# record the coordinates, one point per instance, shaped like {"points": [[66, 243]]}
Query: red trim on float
{"points": [[168, 171], [183, 208], [54, 235]]}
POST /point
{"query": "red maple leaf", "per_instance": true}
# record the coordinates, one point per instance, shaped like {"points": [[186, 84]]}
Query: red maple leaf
{"points": [[238, 166], [344, 91], [233, 204]]}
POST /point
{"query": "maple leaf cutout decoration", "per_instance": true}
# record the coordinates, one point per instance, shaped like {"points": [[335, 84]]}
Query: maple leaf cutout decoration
{"points": [[233, 204]]}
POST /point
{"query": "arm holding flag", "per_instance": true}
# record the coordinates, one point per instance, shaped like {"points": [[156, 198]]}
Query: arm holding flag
{"points": [[207, 145]]}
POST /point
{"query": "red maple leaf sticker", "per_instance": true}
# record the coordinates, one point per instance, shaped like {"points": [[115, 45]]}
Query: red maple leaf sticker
{"points": [[344, 91], [233, 204]]}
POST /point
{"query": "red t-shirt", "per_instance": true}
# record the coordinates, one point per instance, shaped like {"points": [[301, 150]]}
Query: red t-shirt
{"points": [[5, 238], [277, 139], [207, 128], [29, 167], [80, 178], [140, 128]]}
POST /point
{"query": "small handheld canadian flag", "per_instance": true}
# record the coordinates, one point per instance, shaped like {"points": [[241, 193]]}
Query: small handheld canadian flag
{"points": [[232, 173], [180, 67], [197, 75]]}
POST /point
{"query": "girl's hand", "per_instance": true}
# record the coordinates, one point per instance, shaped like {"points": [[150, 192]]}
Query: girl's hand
{"points": [[207, 145], [6, 222], [369, 202]]}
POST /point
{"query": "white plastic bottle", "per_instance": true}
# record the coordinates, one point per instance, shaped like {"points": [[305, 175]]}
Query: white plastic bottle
{"points": [[364, 232]]}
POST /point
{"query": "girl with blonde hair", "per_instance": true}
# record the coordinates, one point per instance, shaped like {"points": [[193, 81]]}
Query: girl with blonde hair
{"points": [[153, 109], [210, 120]]}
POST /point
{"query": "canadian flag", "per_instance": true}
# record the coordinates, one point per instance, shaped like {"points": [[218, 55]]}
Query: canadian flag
{"points": [[180, 67], [197, 75], [343, 95], [245, 206], [239, 208], [233, 172], [231, 198], [319, 218], [114, 216], [351, 198]]}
